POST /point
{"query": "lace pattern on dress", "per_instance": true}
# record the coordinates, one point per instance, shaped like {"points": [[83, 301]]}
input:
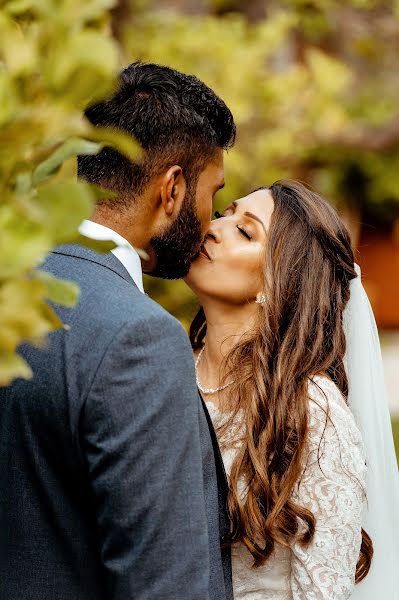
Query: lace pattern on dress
{"points": [[331, 486]]}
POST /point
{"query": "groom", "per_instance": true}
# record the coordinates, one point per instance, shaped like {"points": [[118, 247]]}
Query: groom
{"points": [[111, 485]]}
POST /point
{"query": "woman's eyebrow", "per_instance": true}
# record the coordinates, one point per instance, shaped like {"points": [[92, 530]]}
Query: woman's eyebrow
{"points": [[250, 215]]}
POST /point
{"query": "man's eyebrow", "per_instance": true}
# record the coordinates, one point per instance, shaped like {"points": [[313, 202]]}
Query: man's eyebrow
{"points": [[251, 216]]}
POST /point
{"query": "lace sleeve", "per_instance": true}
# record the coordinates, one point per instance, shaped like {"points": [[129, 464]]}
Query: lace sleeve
{"points": [[332, 487]]}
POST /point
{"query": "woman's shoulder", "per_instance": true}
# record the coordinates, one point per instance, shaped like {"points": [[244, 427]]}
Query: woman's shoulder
{"points": [[328, 405], [333, 432]]}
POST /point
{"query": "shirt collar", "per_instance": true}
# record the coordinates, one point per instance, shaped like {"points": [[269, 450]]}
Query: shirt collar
{"points": [[124, 251]]}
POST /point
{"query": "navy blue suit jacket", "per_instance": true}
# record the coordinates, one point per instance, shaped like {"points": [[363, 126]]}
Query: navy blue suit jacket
{"points": [[111, 481]]}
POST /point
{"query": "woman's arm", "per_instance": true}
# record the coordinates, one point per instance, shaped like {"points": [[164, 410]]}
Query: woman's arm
{"points": [[332, 487]]}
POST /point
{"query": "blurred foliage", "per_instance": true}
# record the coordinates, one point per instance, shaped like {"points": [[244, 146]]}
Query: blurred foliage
{"points": [[55, 56], [313, 86]]}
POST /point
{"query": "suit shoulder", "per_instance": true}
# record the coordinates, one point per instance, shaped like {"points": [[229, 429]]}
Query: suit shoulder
{"points": [[149, 313], [108, 302]]}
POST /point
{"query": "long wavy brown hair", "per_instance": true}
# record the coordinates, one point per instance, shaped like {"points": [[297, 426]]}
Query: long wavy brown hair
{"points": [[308, 266]]}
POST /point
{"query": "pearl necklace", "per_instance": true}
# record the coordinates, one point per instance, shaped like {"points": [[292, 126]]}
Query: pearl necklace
{"points": [[206, 390]]}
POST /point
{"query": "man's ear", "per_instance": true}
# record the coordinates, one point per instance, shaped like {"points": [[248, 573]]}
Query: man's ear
{"points": [[173, 190]]}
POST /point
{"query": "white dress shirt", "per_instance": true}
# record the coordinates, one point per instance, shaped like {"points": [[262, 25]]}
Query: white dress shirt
{"points": [[123, 252]]}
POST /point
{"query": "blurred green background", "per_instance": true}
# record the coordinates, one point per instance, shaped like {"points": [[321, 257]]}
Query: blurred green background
{"points": [[314, 88]]}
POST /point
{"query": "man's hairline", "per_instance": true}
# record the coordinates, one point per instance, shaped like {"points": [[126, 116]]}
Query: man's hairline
{"points": [[216, 151]]}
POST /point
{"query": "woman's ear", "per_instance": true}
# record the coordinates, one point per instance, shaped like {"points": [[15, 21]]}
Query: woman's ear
{"points": [[173, 190]]}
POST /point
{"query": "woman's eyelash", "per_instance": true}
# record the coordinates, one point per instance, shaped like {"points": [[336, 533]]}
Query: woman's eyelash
{"points": [[249, 237], [217, 215]]}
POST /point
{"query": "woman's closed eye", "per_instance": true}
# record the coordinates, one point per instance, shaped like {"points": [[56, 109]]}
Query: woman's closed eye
{"points": [[241, 229], [244, 233]]}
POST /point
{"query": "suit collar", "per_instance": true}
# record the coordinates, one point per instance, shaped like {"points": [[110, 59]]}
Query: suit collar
{"points": [[107, 259], [124, 251]]}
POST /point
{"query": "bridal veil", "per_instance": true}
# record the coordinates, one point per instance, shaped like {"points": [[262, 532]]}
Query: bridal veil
{"points": [[368, 401]]}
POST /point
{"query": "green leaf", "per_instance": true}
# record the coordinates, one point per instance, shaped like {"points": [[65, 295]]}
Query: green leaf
{"points": [[117, 139], [64, 206], [13, 366], [103, 245], [96, 245], [59, 291], [92, 9], [142, 253], [38, 7], [8, 98], [102, 193], [23, 243], [83, 67], [24, 313], [19, 51], [23, 183], [71, 147]]}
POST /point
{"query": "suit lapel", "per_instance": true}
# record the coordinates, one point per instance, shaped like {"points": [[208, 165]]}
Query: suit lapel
{"points": [[215, 443], [222, 481], [107, 259]]}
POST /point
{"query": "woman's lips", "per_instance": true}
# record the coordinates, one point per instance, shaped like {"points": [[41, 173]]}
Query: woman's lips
{"points": [[204, 252]]}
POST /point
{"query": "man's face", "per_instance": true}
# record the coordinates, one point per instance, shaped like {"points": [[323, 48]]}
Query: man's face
{"points": [[176, 247], [210, 181]]}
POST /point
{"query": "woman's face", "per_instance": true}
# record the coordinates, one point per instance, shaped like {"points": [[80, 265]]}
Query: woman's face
{"points": [[230, 265]]}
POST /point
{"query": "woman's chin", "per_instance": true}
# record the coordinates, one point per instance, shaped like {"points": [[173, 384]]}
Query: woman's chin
{"points": [[193, 279], [188, 279], [193, 269]]}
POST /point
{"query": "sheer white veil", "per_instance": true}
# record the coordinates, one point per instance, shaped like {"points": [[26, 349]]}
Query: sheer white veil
{"points": [[368, 401]]}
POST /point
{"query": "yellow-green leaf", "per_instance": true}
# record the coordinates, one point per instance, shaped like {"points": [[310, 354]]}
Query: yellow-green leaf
{"points": [[71, 147], [13, 366], [59, 291], [83, 67], [23, 243], [96, 245], [117, 139], [64, 205]]}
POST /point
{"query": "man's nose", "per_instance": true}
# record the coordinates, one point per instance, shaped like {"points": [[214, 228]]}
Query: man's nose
{"points": [[214, 232]]}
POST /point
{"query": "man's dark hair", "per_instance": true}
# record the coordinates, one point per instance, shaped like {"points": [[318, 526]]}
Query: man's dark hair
{"points": [[175, 117]]}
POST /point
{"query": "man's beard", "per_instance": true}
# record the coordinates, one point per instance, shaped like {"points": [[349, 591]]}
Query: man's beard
{"points": [[175, 248]]}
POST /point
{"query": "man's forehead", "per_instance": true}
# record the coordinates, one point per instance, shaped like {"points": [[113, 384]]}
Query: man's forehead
{"points": [[216, 167], [218, 159]]}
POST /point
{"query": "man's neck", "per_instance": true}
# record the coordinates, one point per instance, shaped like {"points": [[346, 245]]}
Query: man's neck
{"points": [[134, 226], [124, 224]]}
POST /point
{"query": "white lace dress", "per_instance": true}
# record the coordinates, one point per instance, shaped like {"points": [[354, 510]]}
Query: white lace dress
{"points": [[332, 487]]}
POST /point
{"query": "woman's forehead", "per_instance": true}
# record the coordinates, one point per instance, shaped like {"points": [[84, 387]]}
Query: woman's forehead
{"points": [[260, 203]]}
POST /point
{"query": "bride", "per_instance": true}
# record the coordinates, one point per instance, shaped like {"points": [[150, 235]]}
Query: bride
{"points": [[290, 397]]}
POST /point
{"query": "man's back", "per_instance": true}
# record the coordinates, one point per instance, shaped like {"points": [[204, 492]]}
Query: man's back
{"points": [[101, 485]]}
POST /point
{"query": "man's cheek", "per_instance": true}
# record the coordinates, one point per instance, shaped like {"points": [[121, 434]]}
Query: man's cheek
{"points": [[205, 213]]}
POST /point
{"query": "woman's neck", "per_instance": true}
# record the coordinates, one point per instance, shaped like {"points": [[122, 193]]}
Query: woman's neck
{"points": [[226, 326]]}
